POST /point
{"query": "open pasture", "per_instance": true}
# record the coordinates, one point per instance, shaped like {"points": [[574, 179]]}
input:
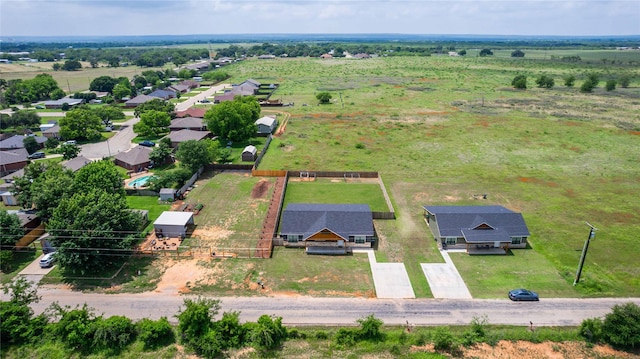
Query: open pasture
{"points": [[440, 130]]}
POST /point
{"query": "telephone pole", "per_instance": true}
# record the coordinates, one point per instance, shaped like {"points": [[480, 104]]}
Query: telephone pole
{"points": [[592, 235]]}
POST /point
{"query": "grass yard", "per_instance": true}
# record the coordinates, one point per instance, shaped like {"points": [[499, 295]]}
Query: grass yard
{"points": [[324, 190], [149, 203]]}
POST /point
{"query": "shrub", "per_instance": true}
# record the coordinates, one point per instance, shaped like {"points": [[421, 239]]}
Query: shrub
{"points": [[232, 333], [443, 339], [6, 260], [545, 81], [519, 82], [517, 53], [360, 145], [268, 333], [113, 333], [155, 333], [611, 85], [625, 80], [321, 335], [370, 327], [346, 338], [621, 327], [591, 330], [569, 80]]}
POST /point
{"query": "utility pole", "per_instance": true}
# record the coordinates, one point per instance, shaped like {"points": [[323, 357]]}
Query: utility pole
{"points": [[592, 235]]}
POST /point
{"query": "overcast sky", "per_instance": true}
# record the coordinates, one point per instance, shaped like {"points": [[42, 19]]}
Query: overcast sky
{"points": [[184, 17]]}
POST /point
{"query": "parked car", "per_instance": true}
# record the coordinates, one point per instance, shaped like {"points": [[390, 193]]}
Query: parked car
{"points": [[205, 101], [523, 294], [36, 155], [47, 260], [147, 143], [71, 142]]}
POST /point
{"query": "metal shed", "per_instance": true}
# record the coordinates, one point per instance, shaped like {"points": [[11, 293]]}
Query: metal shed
{"points": [[173, 224]]}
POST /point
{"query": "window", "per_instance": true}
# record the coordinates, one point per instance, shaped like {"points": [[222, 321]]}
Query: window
{"points": [[451, 240], [360, 239], [293, 238], [517, 240]]}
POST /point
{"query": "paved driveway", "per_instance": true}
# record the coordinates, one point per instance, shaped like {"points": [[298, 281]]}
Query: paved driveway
{"points": [[390, 279], [444, 279], [33, 272]]}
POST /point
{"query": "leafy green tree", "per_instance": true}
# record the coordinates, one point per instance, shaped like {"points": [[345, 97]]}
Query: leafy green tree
{"points": [[196, 319], [486, 52], [38, 88], [51, 143], [610, 85], [10, 229], [587, 86], [113, 334], [545, 81], [57, 94], [56, 66], [231, 332], [324, 97], [152, 123], [22, 185], [108, 114], [81, 123], [155, 105], [186, 73], [121, 91], [75, 327], [569, 80], [519, 82], [49, 188], [103, 84], [23, 118], [621, 327], [194, 154], [624, 81], [234, 120], [462, 52], [30, 144], [517, 53], [17, 323], [90, 230], [160, 154], [102, 175], [215, 76], [69, 151], [169, 179], [370, 327], [71, 65]]}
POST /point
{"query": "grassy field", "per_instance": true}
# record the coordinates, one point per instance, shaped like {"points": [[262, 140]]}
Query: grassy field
{"points": [[330, 191], [442, 129]]}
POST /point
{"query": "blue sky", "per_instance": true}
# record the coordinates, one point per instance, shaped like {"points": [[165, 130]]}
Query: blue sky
{"points": [[183, 17]]}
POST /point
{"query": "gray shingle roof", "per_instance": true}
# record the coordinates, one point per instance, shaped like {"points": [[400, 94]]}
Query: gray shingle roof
{"points": [[477, 223], [135, 156], [16, 141], [342, 219]]}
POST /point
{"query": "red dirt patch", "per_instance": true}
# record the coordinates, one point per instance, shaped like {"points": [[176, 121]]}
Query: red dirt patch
{"points": [[637, 133], [482, 123], [260, 189], [537, 181]]}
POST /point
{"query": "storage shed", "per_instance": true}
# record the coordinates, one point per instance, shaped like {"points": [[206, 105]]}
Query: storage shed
{"points": [[167, 194], [173, 224], [249, 153], [266, 124]]}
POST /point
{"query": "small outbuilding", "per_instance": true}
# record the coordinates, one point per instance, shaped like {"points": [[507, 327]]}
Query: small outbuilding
{"points": [[266, 124], [167, 194], [249, 153], [173, 224]]}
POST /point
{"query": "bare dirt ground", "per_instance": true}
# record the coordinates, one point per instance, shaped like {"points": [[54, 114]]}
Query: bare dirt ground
{"points": [[260, 189], [181, 275], [547, 350]]}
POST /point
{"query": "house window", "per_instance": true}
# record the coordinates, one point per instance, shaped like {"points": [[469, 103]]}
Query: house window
{"points": [[360, 239], [451, 240], [516, 240], [293, 238]]}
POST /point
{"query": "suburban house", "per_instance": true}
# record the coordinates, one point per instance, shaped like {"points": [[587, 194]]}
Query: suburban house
{"points": [[478, 229], [6, 186], [327, 228], [163, 94], [138, 100], [191, 84], [76, 163], [56, 104], [249, 153], [179, 88], [266, 124], [52, 132], [173, 224], [177, 137], [17, 141], [192, 112], [188, 123], [136, 159], [13, 160]]}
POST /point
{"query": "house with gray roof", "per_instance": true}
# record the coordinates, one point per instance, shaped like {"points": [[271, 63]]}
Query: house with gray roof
{"points": [[13, 160], [54, 104], [163, 94], [76, 163], [478, 229], [188, 123], [177, 137], [138, 100], [17, 141], [327, 228], [136, 159]]}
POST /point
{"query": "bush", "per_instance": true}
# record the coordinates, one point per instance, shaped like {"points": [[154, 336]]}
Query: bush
{"points": [[519, 82], [346, 338], [443, 339], [517, 53], [621, 328], [591, 330], [611, 85], [232, 333], [268, 333], [370, 328], [6, 260], [625, 80], [155, 333], [321, 335], [545, 81], [113, 333], [569, 80]]}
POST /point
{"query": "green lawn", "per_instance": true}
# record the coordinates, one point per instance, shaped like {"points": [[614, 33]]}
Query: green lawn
{"points": [[149, 203], [336, 191]]}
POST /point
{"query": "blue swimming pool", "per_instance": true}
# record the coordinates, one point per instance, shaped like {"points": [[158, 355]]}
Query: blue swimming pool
{"points": [[140, 182]]}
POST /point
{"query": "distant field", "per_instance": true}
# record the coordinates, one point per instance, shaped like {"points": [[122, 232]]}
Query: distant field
{"points": [[336, 191]]}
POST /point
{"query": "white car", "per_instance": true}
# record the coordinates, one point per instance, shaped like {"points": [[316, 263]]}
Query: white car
{"points": [[47, 260]]}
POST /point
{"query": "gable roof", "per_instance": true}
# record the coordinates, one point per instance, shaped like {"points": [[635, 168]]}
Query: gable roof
{"points": [[180, 87], [186, 122], [253, 82], [341, 219], [186, 135], [135, 156], [163, 94], [192, 112], [76, 163], [14, 156], [15, 142], [140, 99], [250, 149], [478, 223], [55, 129], [266, 120]]}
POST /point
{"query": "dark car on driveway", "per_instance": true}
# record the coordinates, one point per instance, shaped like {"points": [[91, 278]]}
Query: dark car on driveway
{"points": [[147, 143], [37, 155], [522, 295]]}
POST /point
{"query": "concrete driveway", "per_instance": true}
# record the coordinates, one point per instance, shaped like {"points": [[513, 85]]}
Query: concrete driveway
{"points": [[33, 272], [390, 279], [445, 280]]}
